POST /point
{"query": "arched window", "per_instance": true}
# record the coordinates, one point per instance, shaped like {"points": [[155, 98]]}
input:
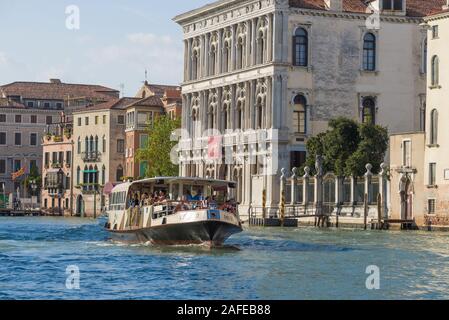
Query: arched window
{"points": [[213, 60], [91, 144], [104, 144], [86, 175], [226, 56], [103, 175], [79, 145], [240, 53], [369, 52], [86, 142], [95, 175], [96, 143], [299, 114], [239, 116], [368, 111], [259, 109], [261, 47], [301, 48], [434, 127], [225, 119], [78, 175], [211, 118], [435, 77], [195, 65], [119, 173]]}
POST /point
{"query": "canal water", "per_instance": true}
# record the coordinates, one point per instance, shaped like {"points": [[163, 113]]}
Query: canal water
{"points": [[304, 263]]}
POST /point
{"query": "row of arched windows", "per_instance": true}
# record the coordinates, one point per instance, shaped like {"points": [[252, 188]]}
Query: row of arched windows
{"points": [[229, 41], [90, 174], [91, 144]]}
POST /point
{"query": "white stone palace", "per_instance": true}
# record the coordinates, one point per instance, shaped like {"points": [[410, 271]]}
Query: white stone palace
{"points": [[287, 68]]}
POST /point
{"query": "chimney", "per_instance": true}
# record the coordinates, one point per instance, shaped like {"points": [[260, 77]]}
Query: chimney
{"points": [[334, 5], [55, 81], [446, 6]]}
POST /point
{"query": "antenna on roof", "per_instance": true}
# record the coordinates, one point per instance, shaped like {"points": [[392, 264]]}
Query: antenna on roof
{"points": [[122, 89], [146, 76]]}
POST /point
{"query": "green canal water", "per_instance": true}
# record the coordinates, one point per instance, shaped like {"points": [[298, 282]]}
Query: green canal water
{"points": [[272, 263]]}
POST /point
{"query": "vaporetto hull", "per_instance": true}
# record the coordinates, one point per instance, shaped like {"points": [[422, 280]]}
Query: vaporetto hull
{"points": [[209, 233]]}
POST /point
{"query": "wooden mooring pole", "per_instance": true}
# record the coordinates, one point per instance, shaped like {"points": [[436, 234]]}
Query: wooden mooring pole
{"points": [[379, 212], [365, 211]]}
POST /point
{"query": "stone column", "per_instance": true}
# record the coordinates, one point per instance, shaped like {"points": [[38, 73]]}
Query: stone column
{"points": [[186, 59], [252, 122], [270, 38], [253, 42], [233, 48], [269, 102], [248, 44], [207, 56], [277, 37], [219, 52], [189, 59]]}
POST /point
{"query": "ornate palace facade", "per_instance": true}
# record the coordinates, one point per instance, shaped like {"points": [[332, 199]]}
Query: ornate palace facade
{"points": [[286, 68]]}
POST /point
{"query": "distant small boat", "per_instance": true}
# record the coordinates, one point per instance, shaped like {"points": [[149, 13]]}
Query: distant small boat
{"points": [[173, 211]]}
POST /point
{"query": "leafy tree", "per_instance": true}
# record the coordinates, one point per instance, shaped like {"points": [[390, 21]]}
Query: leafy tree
{"points": [[157, 151], [34, 175], [347, 147], [371, 149]]}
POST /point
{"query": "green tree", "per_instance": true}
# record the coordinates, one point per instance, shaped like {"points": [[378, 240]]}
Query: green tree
{"points": [[371, 149], [347, 147], [156, 153], [35, 176]]}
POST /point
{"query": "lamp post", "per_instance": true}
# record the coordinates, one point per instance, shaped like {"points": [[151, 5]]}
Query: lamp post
{"points": [[33, 186]]}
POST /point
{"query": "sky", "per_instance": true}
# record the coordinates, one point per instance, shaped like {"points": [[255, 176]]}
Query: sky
{"points": [[116, 42]]}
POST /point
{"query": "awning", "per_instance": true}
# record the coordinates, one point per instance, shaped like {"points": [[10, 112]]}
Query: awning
{"points": [[90, 171]]}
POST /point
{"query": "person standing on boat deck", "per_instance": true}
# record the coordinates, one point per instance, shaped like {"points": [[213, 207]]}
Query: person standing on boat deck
{"points": [[188, 196]]}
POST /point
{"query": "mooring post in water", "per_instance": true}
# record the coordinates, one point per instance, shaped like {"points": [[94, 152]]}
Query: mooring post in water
{"points": [[365, 211], [282, 203], [264, 203]]}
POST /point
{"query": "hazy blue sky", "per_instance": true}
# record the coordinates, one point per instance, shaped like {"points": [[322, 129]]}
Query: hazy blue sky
{"points": [[116, 41]]}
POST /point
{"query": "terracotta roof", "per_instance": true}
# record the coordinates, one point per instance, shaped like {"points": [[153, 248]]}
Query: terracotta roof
{"points": [[152, 101], [159, 90], [124, 103], [172, 94], [115, 104], [7, 103], [415, 8], [57, 90]]}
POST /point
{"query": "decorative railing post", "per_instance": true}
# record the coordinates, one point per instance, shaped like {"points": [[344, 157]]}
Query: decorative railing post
{"points": [[368, 175], [282, 202], [353, 186], [383, 188], [293, 199], [338, 195], [305, 188]]}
